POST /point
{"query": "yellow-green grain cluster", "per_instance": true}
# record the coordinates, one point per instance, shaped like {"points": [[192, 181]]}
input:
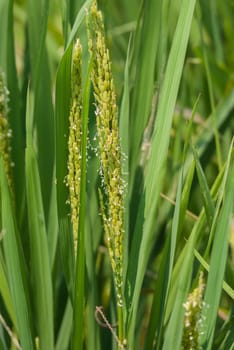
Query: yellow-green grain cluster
{"points": [[109, 146], [5, 131], [192, 319], [74, 140]]}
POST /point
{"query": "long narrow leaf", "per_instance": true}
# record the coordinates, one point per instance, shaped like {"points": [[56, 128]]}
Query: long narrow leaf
{"points": [[65, 330], [227, 288], [39, 254], [144, 85], [207, 200], [160, 144], [63, 88], [14, 265], [163, 282], [5, 292], [41, 84], [124, 139], [217, 265], [41, 273]]}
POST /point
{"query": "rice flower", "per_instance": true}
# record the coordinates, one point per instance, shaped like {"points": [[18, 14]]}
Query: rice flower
{"points": [[111, 196], [74, 140], [5, 132], [192, 320]]}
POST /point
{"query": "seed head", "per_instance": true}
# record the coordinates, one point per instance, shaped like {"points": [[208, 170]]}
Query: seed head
{"points": [[5, 132], [74, 140], [193, 307], [111, 196]]}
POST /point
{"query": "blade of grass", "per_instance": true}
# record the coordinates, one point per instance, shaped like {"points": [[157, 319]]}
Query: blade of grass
{"points": [[219, 202], [179, 214], [93, 238], [37, 21], [63, 338], [78, 21], [173, 334], [41, 84], [74, 8], [53, 225], [185, 198], [4, 8], [40, 264], [223, 113], [63, 93], [144, 81], [212, 101], [3, 345], [65, 12], [14, 265], [196, 233], [175, 326], [227, 288], [62, 106], [163, 281], [160, 141], [207, 199], [182, 202], [124, 139], [93, 340], [210, 20], [217, 264], [5, 293], [188, 182]]}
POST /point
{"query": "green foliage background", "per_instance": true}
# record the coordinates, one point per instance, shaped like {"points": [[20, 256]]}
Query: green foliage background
{"points": [[173, 64]]}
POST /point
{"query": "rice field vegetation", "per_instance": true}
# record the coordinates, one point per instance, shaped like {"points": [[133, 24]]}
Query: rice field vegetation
{"points": [[116, 175]]}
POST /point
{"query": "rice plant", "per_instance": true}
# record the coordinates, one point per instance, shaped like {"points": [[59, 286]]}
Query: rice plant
{"points": [[116, 175]]}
